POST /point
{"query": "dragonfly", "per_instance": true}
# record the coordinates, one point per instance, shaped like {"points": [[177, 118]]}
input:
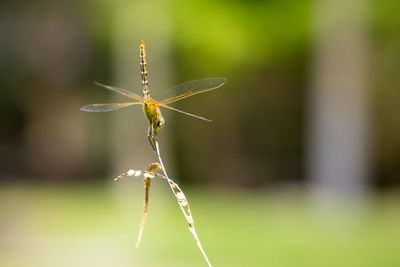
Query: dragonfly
{"points": [[151, 107]]}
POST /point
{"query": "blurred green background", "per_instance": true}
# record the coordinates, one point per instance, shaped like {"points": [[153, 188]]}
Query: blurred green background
{"points": [[300, 167]]}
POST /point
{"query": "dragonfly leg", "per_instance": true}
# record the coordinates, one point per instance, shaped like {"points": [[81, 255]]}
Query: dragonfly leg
{"points": [[152, 137]]}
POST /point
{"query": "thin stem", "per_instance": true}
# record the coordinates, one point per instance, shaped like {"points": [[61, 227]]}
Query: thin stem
{"points": [[183, 203]]}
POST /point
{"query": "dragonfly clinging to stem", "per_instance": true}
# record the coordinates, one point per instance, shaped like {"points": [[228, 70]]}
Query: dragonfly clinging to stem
{"points": [[151, 107]]}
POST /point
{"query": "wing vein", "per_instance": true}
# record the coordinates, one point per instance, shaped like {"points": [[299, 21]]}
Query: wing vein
{"points": [[181, 111], [107, 106], [191, 88], [121, 91]]}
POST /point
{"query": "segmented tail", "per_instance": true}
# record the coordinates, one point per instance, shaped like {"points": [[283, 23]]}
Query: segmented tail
{"points": [[143, 71]]}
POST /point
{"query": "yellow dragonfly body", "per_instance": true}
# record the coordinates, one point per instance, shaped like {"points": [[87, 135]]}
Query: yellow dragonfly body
{"points": [[151, 107]]}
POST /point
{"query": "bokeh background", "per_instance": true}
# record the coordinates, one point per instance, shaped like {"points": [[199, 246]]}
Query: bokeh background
{"points": [[300, 167]]}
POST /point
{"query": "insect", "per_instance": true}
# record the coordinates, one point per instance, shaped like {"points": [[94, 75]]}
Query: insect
{"points": [[151, 107]]}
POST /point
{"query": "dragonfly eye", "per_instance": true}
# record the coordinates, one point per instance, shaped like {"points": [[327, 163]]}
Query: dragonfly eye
{"points": [[160, 123]]}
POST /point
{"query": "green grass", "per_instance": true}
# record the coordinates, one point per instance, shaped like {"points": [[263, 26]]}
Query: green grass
{"points": [[97, 226]]}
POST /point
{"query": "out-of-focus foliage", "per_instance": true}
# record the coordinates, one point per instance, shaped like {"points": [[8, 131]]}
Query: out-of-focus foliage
{"points": [[262, 47], [215, 36], [386, 90], [52, 51]]}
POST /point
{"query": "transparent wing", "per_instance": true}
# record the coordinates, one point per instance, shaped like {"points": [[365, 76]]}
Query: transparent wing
{"points": [[178, 110], [107, 107], [122, 92], [191, 88]]}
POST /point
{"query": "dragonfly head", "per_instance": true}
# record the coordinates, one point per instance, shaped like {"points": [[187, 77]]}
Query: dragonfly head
{"points": [[159, 123]]}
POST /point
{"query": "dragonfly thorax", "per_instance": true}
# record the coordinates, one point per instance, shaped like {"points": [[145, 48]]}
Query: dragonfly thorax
{"points": [[153, 114]]}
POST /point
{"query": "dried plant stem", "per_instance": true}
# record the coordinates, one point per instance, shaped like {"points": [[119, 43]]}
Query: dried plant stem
{"points": [[183, 203], [145, 206], [147, 180], [180, 196]]}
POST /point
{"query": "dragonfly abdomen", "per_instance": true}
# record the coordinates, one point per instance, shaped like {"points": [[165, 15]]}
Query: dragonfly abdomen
{"points": [[143, 71]]}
